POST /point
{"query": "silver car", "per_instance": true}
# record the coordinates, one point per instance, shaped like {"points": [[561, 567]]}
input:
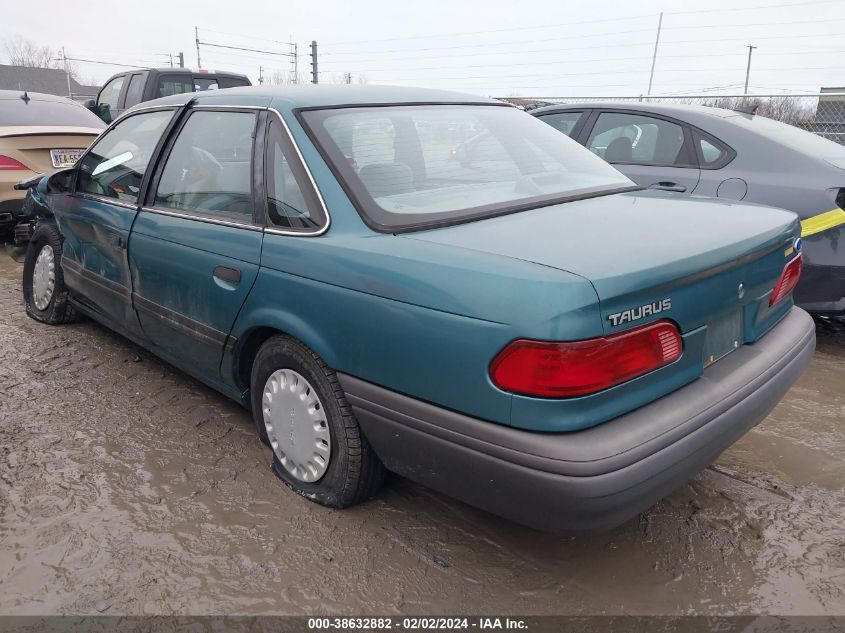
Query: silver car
{"points": [[728, 154]]}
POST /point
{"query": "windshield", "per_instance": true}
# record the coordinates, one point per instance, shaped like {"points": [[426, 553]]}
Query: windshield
{"points": [[18, 112], [419, 166]]}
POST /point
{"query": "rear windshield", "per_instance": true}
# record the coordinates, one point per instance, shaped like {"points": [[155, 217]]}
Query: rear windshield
{"points": [[413, 167], [790, 135], [34, 112]]}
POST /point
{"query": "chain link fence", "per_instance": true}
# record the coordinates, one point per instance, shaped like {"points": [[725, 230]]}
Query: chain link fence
{"points": [[820, 113]]}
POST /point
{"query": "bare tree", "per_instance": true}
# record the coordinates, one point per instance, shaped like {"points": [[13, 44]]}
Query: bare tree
{"points": [[785, 109], [21, 52]]}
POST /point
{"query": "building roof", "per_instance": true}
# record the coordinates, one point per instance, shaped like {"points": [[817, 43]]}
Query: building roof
{"points": [[45, 80]]}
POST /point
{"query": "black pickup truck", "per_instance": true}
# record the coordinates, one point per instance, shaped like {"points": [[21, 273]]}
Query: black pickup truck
{"points": [[124, 90]]}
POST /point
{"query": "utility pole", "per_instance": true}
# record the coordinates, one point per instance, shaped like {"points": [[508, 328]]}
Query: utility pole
{"points": [[348, 78], [261, 75], [748, 68], [295, 61], [654, 56], [181, 59], [314, 73], [67, 73], [197, 35]]}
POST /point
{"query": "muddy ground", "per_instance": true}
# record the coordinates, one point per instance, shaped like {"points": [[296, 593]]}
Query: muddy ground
{"points": [[127, 487]]}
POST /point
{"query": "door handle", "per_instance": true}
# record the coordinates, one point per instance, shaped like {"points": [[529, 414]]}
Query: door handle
{"points": [[668, 186], [228, 275]]}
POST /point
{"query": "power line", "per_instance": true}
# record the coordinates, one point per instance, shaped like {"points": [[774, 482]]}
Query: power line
{"points": [[577, 61], [593, 35], [612, 72], [461, 46], [579, 23]]}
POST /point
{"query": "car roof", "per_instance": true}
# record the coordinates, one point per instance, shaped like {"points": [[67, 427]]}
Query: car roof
{"points": [[323, 96], [35, 96], [679, 110]]}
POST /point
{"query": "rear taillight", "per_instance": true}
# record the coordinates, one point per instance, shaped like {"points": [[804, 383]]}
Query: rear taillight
{"points": [[8, 163], [564, 370], [788, 280]]}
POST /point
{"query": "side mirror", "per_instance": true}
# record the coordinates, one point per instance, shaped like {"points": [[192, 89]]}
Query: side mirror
{"points": [[57, 182], [91, 105]]}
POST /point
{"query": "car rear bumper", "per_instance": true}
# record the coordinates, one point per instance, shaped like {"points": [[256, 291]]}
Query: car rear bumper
{"points": [[599, 477], [822, 286]]}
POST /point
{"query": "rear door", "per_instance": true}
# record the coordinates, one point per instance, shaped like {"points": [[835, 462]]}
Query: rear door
{"points": [[95, 220], [653, 151], [196, 244]]}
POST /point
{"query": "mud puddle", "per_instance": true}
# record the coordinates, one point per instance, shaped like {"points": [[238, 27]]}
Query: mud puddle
{"points": [[128, 488]]}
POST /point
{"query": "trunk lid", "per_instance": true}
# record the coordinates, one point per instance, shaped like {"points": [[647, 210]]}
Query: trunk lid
{"points": [[32, 146], [649, 255]]}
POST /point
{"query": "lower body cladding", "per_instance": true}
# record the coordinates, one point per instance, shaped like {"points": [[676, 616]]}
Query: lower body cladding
{"points": [[592, 479]]}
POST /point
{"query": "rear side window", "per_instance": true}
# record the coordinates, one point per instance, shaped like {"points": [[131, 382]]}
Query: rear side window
{"points": [[232, 82], [291, 204], [201, 84], [621, 137], [134, 91], [562, 121], [174, 85], [209, 168], [16, 111], [115, 165], [711, 153]]}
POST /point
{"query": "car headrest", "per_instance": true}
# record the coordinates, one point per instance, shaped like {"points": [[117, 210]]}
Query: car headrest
{"points": [[619, 150], [387, 179]]}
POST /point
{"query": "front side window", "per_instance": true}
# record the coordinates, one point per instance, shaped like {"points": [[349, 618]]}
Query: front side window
{"points": [[620, 137], [562, 121], [290, 203], [110, 93], [409, 167], [115, 165], [209, 167]]}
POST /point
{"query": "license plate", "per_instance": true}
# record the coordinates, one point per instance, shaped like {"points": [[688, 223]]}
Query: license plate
{"points": [[65, 157], [724, 335]]}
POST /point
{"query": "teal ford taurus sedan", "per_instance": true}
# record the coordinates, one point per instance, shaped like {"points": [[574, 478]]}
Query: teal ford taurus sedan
{"points": [[530, 333]]}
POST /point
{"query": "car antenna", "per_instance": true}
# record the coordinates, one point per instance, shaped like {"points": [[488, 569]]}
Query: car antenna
{"points": [[748, 109], [26, 98]]}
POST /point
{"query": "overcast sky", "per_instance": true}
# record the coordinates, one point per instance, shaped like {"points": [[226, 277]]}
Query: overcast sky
{"points": [[490, 47]]}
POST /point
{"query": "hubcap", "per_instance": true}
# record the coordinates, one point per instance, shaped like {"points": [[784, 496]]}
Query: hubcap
{"points": [[44, 277], [296, 425]]}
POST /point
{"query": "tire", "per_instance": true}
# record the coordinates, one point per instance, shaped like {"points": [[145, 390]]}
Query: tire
{"points": [[56, 309], [353, 472]]}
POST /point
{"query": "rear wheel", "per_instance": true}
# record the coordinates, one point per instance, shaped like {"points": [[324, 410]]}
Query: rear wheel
{"points": [[300, 410], [44, 291]]}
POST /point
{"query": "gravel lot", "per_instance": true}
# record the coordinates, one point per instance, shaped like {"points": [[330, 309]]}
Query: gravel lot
{"points": [[127, 487]]}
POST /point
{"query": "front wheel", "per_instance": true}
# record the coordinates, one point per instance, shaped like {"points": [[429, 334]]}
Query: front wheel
{"points": [[44, 291], [300, 410]]}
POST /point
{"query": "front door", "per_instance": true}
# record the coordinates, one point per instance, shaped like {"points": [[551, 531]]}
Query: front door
{"points": [[196, 245], [653, 152], [96, 219]]}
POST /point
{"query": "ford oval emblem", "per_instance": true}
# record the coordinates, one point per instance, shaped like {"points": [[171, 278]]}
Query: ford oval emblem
{"points": [[740, 291], [797, 244]]}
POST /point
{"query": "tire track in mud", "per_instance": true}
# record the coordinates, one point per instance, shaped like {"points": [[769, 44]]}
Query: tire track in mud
{"points": [[128, 487]]}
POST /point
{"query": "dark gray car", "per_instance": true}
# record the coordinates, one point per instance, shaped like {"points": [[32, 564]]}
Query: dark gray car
{"points": [[728, 154]]}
